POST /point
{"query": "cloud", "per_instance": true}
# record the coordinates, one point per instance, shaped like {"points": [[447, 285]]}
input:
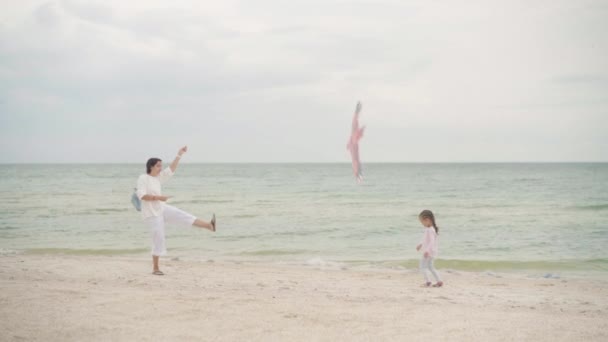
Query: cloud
{"points": [[276, 81]]}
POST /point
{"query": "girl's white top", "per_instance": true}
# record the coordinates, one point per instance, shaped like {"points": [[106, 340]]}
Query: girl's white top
{"points": [[430, 242], [149, 185]]}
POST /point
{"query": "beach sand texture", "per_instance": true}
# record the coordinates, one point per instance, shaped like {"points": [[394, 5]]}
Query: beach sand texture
{"points": [[103, 298]]}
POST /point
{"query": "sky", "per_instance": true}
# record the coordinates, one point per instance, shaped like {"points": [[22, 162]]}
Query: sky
{"points": [[277, 81]]}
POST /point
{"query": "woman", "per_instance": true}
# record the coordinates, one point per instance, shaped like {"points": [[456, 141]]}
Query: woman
{"points": [[156, 212]]}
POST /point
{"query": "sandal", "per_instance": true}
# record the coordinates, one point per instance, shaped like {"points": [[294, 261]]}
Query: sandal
{"points": [[439, 284], [213, 222], [426, 284], [158, 272]]}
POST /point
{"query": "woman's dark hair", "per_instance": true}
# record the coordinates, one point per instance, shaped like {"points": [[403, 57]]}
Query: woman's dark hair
{"points": [[429, 214], [150, 164]]}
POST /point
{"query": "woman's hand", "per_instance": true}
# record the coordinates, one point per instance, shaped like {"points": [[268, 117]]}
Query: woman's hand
{"points": [[418, 247], [181, 151], [162, 198]]}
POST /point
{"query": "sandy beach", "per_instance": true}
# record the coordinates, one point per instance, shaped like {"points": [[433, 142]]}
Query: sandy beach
{"points": [[103, 298]]}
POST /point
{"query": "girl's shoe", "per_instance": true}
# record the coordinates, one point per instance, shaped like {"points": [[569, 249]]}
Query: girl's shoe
{"points": [[426, 284], [439, 284]]}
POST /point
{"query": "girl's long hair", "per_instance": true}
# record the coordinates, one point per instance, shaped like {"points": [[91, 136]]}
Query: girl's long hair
{"points": [[429, 214]]}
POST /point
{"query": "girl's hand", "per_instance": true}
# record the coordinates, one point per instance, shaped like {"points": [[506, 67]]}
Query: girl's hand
{"points": [[182, 150], [418, 247], [426, 254]]}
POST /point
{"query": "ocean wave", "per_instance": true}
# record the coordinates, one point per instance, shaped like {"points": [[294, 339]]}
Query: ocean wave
{"points": [[528, 180], [591, 207], [110, 210], [202, 201], [245, 215], [510, 265], [277, 234], [273, 252], [491, 206], [71, 251], [320, 262], [91, 211], [7, 252]]}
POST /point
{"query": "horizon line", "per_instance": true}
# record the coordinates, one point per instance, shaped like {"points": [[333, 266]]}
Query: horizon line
{"points": [[313, 162]]}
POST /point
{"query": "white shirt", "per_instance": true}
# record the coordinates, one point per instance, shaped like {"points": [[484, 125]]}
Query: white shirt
{"points": [[149, 185], [430, 242]]}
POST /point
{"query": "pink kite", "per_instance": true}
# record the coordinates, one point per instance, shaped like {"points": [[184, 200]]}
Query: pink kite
{"points": [[353, 144]]}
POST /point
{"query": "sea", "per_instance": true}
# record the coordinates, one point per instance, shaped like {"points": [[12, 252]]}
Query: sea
{"points": [[538, 219]]}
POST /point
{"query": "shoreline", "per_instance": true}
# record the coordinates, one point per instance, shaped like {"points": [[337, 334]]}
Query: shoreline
{"points": [[97, 298], [557, 269]]}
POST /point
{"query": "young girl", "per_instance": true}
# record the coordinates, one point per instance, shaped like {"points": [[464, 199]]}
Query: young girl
{"points": [[429, 246]]}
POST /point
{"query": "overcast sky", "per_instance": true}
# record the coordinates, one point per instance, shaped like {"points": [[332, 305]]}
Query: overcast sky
{"points": [[277, 81]]}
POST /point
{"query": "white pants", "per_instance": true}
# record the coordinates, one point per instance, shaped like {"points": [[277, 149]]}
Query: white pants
{"points": [[426, 264], [156, 224]]}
